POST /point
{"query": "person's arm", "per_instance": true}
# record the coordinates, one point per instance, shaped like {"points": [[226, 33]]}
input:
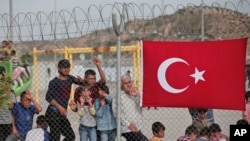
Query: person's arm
{"points": [[37, 106], [73, 106], [98, 108], [124, 112], [80, 110], [109, 99], [92, 110], [97, 62], [14, 130]]}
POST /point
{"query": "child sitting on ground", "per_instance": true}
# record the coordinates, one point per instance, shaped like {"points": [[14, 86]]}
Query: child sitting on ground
{"points": [[40, 133], [158, 130]]}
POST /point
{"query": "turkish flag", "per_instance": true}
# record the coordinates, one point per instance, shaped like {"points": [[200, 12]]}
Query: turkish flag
{"points": [[198, 74]]}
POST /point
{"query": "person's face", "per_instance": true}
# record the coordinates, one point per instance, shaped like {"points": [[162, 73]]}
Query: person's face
{"points": [[126, 84], [44, 125], [25, 102], [4, 44], [90, 79], [101, 93], [202, 115], [64, 71], [192, 136], [160, 134], [10, 44], [85, 93]]}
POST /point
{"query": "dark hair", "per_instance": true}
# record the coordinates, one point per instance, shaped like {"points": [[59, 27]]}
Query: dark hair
{"points": [[40, 119], [104, 88], [13, 52], [247, 95], [191, 129], [242, 122], [214, 128], [64, 63], [157, 126], [23, 94], [205, 131], [89, 72], [200, 110]]}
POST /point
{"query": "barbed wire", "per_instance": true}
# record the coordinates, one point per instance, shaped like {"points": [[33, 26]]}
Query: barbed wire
{"points": [[79, 22]]}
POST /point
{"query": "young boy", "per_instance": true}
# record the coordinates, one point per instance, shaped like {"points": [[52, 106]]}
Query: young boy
{"points": [[22, 116], [40, 133], [158, 131], [191, 134], [86, 110], [105, 120]]}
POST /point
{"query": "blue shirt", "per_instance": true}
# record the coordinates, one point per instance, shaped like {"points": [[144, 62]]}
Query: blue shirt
{"points": [[105, 119], [23, 118]]}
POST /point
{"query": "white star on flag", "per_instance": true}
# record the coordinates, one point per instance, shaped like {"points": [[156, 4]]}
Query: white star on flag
{"points": [[198, 75]]}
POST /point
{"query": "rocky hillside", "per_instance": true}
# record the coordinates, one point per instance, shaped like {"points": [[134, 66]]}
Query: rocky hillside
{"points": [[184, 24]]}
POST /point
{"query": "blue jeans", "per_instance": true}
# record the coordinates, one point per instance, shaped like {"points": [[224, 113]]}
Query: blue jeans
{"points": [[108, 135], [87, 133]]}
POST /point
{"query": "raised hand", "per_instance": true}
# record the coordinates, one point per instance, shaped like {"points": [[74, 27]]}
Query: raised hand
{"points": [[103, 102], [96, 61], [134, 91], [72, 105]]}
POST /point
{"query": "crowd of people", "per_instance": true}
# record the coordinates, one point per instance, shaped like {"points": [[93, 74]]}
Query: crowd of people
{"points": [[94, 105]]}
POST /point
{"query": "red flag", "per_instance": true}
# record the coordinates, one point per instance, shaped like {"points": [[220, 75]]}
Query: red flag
{"points": [[209, 74]]}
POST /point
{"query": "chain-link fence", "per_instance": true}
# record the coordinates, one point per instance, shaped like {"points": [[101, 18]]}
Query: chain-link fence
{"points": [[90, 33]]}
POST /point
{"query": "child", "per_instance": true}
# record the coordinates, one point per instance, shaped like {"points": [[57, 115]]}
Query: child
{"points": [[158, 131], [246, 113], [202, 120], [204, 134], [17, 70], [22, 116], [86, 110], [191, 134], [40, 133], [105, 119], [216, 133]]}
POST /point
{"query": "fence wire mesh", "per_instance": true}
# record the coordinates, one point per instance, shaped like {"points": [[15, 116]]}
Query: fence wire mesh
{"points": [[92, 28]]}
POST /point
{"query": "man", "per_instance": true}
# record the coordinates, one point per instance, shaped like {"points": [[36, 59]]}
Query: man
{"points": [[58, 96], [131, 112]]}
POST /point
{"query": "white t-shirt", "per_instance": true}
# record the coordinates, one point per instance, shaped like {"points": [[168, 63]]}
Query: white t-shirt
{"points": [[37, 134]]}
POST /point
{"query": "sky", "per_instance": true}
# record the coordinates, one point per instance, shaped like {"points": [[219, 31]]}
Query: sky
{"points": [[51, 5], [48, 6]]}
